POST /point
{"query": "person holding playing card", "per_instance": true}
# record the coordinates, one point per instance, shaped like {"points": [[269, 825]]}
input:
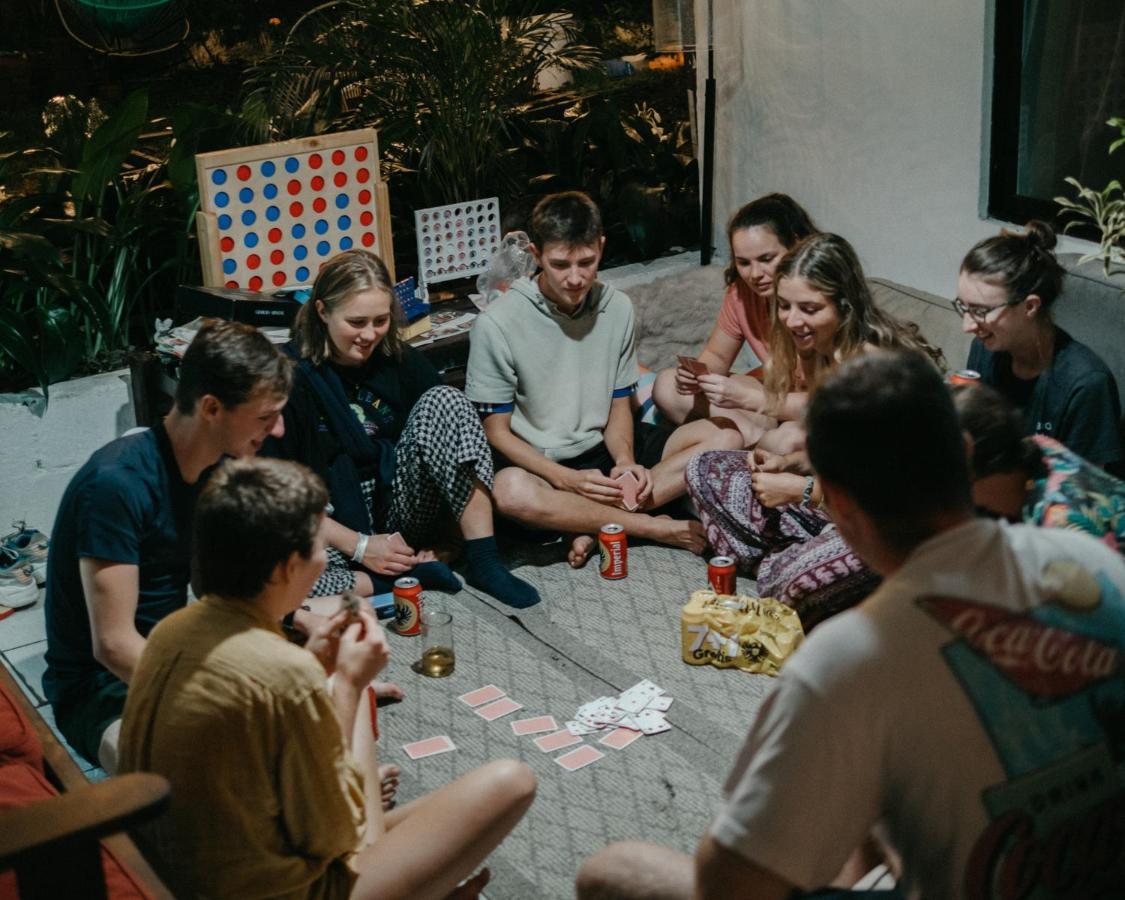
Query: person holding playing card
{"points": [[967, 714], [760, 234], [552, 367], [403, 455], [765, 509], [272, 764]]}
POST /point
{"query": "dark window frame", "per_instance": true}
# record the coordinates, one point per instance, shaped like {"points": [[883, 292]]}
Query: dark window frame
{"points": [[1004, 202]]}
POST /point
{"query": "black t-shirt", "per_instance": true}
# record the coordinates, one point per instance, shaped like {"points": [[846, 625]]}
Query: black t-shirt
{"points": [[1074, 401], [381, 393], [127, 504]]}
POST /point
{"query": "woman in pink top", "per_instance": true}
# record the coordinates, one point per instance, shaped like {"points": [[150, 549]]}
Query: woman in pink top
{"points": [[760, 233]]}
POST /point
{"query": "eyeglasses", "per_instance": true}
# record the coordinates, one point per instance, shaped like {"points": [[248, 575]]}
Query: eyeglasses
{"points": [[979, 313]]}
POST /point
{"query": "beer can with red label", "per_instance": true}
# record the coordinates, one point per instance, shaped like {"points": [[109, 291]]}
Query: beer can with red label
{"points": [[964, 376], [408, 606], [614, 549], [721, 574]]}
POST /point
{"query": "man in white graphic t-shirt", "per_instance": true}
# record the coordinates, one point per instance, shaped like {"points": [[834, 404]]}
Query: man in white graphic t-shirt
{"points": [[970, 713]]}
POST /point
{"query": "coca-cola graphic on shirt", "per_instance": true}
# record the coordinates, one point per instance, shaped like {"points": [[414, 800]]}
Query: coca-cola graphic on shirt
{"points": [[1049, 688]]}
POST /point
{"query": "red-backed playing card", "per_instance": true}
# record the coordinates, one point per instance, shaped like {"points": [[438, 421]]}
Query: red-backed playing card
{"points": [[498, 708], [534, 726], [429, 747], [620, 738], [486, 694], [629, 487], [552, 742], [576, 759]]}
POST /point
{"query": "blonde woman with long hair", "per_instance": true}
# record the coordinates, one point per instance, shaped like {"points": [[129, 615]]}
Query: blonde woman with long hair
{"points": [[764, 508]]}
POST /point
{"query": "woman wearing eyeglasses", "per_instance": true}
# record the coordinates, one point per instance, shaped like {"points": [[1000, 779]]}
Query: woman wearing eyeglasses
{"points": [[1005, 291]]}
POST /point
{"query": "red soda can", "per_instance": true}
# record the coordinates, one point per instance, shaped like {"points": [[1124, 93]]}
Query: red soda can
{"points": [[408, 606], [721, 574], [964, 376], [614, 549]]}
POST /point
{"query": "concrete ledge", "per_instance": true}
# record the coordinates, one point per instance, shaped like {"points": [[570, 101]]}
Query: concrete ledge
{"points": [[42, 454]]}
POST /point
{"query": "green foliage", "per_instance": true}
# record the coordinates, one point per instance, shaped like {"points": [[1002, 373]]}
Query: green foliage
{"points": [[95, 232], [1104, 209], [443, 82], [641, 173]]}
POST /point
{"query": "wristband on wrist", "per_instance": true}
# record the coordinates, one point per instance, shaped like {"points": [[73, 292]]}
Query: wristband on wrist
{"points": [[806, 494], [360, 548]]}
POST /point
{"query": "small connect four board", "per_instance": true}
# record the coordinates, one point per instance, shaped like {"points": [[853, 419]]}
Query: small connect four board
{"points": [[457, 240], [270, 215]]}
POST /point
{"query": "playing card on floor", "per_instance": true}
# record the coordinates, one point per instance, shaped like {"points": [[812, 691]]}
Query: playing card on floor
{"points": [[576, 759], [429, 747]]}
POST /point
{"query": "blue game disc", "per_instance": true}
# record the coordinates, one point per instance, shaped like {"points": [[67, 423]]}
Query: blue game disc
{"points": [[298, 231], [219, 176], [344, 223], [222, 199], [302, 273], [292, 164], [270, 191], [229, 265], [248, 217], [273, 213], [321, 226], [268, 168], [323, 248], [246, 195], [224, 222], [345, 243], [300, 251], [341, 201], [251, 239]]}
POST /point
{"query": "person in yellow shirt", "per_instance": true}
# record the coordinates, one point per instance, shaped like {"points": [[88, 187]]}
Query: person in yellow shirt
{"points": [[268, 760]]}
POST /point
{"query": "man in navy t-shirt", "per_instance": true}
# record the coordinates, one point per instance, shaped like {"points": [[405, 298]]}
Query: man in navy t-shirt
{"points": [[120, 553]]}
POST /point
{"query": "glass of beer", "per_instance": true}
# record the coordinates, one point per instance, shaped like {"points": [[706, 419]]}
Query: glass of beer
{"points": [[437, 643]]}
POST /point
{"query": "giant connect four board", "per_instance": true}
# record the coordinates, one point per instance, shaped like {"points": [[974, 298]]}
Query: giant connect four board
{"points": [[272, 214]]}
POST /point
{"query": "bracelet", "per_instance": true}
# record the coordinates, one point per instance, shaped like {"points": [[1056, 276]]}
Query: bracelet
{"points": [[360, 548], [806, 494]]}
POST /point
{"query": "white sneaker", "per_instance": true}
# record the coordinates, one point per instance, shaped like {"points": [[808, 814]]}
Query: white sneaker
{"points": [[19, 589]]}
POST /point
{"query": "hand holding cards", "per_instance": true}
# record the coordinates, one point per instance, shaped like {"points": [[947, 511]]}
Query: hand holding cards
{"points": [[694, 367], [629, 488]]}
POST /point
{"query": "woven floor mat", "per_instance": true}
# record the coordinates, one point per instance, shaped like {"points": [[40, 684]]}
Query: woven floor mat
{"points": [[663, 788]]}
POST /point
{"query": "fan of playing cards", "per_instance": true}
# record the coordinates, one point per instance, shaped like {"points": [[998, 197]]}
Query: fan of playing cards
{"points": [[640, 709]]}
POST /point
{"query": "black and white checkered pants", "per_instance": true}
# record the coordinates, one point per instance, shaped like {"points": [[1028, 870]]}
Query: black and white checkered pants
{"points": [[440, 454]]}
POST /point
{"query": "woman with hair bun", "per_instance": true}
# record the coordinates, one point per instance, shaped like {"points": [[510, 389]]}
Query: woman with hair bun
{"points": [[1005, 291]]}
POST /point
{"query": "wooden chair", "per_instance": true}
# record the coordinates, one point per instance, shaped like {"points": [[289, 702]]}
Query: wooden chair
{"points": [[65, 837]]}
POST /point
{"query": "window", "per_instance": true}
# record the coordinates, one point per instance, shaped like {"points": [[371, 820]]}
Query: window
{"points": [[1059, 75]]}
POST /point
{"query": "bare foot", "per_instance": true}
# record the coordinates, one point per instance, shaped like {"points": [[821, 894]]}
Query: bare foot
{"points": [[388, 784], [685, 533], [471, 889], [580, 549]]}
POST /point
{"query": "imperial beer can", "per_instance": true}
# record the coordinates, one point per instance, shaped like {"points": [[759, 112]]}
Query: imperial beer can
{"points": [[408, 606], [964, 376], [721, 574], [614, 549]]}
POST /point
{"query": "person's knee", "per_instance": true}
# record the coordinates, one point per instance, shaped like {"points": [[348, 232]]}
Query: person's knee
{"points": [[107, 747], [664, 393], [510, 783], [513, 492]]}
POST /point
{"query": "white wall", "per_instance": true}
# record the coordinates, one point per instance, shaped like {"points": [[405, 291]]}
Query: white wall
{"points": [[872, 113], [41, 455]]}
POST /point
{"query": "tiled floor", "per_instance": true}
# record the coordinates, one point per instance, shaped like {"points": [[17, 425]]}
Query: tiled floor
{"points": [[23, 642]]}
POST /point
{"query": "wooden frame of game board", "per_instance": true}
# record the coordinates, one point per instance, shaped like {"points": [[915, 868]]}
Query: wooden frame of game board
{"points": [[206, 222]]}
